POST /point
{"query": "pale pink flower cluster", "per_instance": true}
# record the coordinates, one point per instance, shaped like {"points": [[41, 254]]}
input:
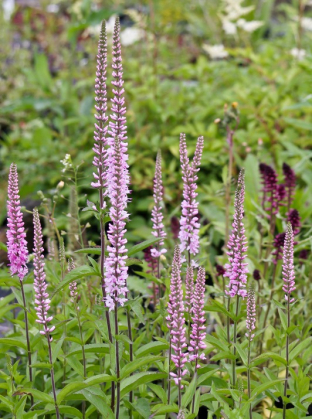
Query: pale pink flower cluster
{"points": [[251, 314], [288, 268], [189, 225], [42, 300], [157, 213]]}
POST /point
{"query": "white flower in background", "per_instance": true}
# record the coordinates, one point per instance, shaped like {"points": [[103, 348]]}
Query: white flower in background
{"points": [[306, 23], [110, 24], [229, 27], [8, 8], [249, 26], [298, 53], [234, 9], [131, 35], [216, 51]]}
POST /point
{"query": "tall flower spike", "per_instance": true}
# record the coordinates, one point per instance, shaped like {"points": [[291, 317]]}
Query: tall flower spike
{"points": [[293, 218], [251, 314], [189, 225], [290, 183], [269, 189], [17, 244], [288, 269], [157, 214], [176, 320], [116, 271], [189, 289], [73, 285], [236, 269], [117, 125], [42, 300], [101, 126], [198, 333]]}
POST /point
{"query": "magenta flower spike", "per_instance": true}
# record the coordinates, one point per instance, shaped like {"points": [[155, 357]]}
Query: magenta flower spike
{"points": [[116, 271], [293, 218], [101, 126], [189, 289], [176, 320], [236, 269], [269, 189], [251, 314], [198, 333], [17, 244], [117, 125], [290, 183], [189, 225], [288, 269], [157, 214], [42, 300]]}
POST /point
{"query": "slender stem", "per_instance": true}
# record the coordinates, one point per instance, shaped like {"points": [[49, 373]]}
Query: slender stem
{"points": [[117, 362], [248, 379], [228, 322], [130, 352], [228, 185], [27, 338], [52, 377], [234, 340], [169, 381], [287, 358], [271, 295], [193, 401], [83, 357]]}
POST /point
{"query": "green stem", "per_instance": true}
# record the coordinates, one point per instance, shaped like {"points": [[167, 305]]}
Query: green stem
{"points": [[52, 377], [248, 379], [27, 338], [234, 340], [130, 352], [83, 357], [287, 358], [117, 362]]}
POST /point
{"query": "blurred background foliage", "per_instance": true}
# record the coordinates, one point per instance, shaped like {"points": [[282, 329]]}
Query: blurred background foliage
{"points": [[183, 61]]}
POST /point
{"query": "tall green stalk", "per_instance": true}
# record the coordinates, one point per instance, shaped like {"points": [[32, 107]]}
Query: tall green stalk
{"points": [[234, 340], [287, 359]]}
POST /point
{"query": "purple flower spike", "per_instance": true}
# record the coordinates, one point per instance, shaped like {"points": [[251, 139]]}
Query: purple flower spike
{"points": [[236, 269], [269, 189], [251, 314], [198, 333], [189, 225], [288, 269], [118, 121], [189, 289], [42, 300], [290, 183], [293, 218], [157, 215], [116, 271], [220, 270], [278, 244], [176, 320], [101, 126], [17, 245]]}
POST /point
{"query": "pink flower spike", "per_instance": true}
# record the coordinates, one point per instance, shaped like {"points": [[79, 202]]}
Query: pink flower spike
{"points": [[251, 314], [198, 333], [101, 126], [116, 271], [236, 269], [189, 225], [175, 318], [17, 244], [157, 214], [42, 300], [189, 289], [288, 269]]}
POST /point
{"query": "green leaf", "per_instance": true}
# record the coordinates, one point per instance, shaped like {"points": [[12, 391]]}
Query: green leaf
{"points": [[299, 123], [299, 348], [132, 382], [267, 357], [97, 348], [190, 391], [242, 353], [154, 347], [159, 391], [283, 318], [91, 251], [160, 409], [99, 403], [136, 364], [44, 397], [81, 385], [143, 407], [13, 342], [262, 387], [141, 246], [77, 273]]}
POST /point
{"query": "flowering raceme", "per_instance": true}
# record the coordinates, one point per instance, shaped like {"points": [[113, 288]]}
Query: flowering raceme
{"points": [[189, 225], [198, 319], [236, 269], [290, 183], [251, 314], [157, 215], [17, 245], [42, 300], [189, 288], [176, 321], [269, 189], [288, 269], [101, 127]]}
